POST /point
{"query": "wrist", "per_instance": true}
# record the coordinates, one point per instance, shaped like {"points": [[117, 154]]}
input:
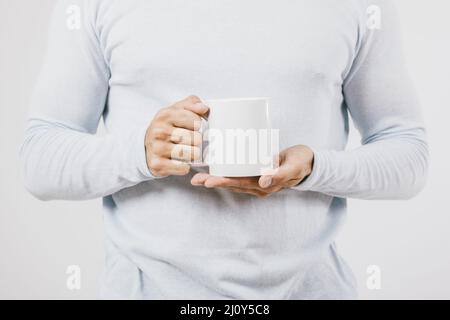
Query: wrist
{"points": [[309, 182]]}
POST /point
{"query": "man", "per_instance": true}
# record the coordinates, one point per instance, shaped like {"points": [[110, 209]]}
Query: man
{"points": [[175, 232]]}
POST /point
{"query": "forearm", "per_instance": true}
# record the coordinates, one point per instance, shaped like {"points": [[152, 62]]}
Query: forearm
{"points": [[393, 166], [62, 163]]}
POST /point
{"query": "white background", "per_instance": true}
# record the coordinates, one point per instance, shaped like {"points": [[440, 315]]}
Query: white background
{"points": [[408, 240]]}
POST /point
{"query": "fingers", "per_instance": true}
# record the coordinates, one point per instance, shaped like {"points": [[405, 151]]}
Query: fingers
{"points": [[177, 135], [204, 179], [162, 167], [193, 104], [186, 137], [184, 114], [296, 164], [209, 181], [248, 185], [173, 137], [221, 182], [184, 153], [186, 119], [198, 108], [199, 179], [176, 151], [281, 176]]}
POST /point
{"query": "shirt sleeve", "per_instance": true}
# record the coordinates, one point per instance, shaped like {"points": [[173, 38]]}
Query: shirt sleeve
{"points": [[392, 162], [62, 156]]}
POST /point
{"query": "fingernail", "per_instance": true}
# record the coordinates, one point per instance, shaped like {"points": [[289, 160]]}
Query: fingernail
{"points": [[267, 182]]}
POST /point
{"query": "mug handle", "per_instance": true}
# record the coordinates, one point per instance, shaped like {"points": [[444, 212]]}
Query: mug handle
{"points": [[204, 149]]}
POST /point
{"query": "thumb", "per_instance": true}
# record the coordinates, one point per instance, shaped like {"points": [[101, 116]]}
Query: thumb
{"points": [[279, 176]]}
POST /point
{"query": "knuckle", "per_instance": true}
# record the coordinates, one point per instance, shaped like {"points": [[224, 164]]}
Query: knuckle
{"points": [[156, 165], [164, 114], [160, 133], [193, 99]]}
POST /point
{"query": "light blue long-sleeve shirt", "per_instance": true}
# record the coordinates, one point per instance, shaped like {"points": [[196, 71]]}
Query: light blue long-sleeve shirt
{"points": [[318, 60]]}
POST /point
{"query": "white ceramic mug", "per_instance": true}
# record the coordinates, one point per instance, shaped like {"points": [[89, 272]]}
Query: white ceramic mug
{"points": [[238, 138]]}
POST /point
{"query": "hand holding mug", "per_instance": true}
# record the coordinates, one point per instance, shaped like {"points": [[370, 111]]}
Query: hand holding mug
{"points": [[295, 164], [173, 138]]}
